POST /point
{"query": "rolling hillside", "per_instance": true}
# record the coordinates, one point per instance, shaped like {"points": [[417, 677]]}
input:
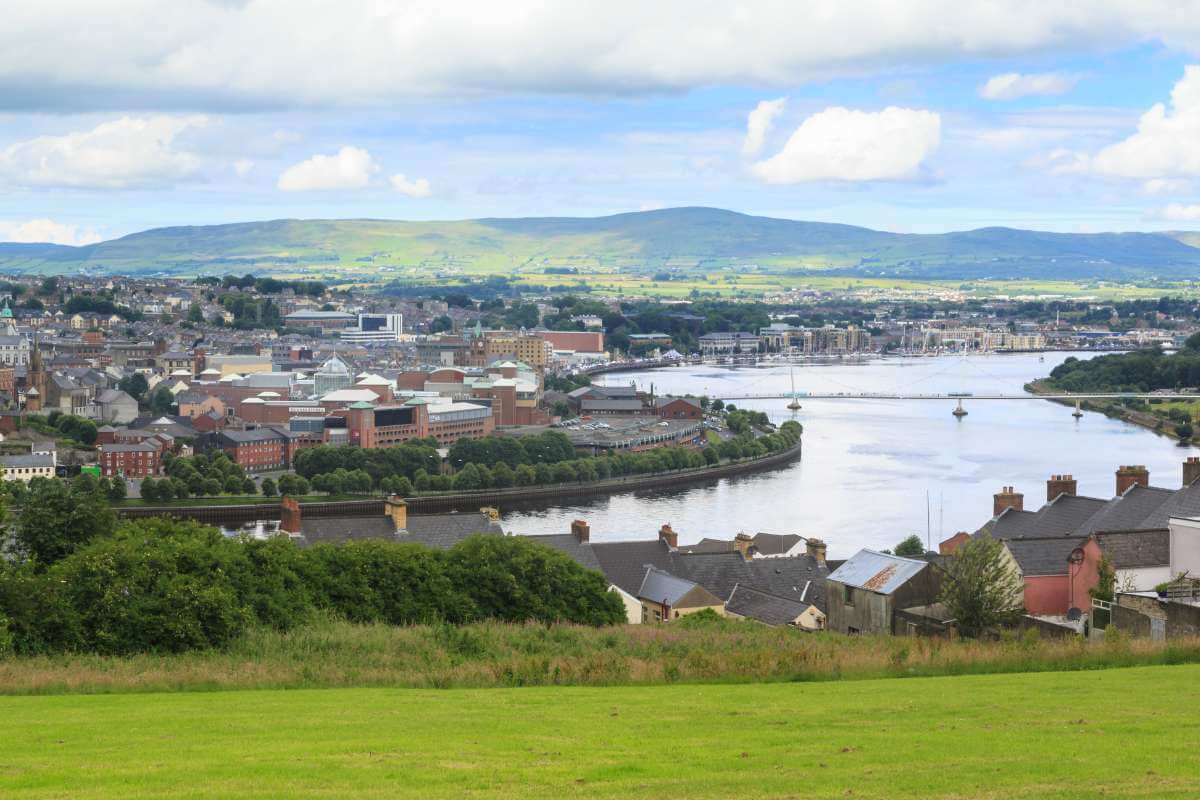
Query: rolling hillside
{"points": [[640, 242]]}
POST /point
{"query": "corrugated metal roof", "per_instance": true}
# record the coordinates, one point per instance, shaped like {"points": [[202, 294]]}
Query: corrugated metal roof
{"points": [[877, 572]]}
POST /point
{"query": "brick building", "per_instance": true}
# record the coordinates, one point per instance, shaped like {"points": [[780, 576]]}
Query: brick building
{"points": [[130, 460]]}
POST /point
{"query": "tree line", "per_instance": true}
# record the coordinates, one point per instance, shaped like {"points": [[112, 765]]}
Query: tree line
{"points": [[79, 580]]}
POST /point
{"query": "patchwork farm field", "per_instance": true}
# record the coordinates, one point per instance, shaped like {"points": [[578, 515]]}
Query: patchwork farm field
{"points": [[1111, 733]]}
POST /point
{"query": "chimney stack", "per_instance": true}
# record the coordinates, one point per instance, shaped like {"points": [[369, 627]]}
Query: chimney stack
{"points": [[1130, 476], [289, 516], [1005, 499], [816, 549], [742, 543], [397, 509], [1191, 470], [1060, 484], [491, 512], [669, 536], [580, 530]]}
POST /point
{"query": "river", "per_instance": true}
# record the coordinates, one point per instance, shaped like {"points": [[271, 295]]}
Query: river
{"points": [[869, 465]]}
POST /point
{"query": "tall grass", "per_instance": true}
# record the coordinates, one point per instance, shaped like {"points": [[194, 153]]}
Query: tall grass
{"points": [[340, 654]]}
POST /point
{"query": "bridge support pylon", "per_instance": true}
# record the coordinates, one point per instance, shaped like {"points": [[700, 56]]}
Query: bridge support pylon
{"points": [[1078, 412], [959, 411]]}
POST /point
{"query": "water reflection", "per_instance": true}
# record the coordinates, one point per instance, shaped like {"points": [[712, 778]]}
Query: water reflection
{"points": [[869, 464]]}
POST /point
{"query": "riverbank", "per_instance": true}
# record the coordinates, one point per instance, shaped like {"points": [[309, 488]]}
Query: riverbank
{"points": [[1112, 409], [219, 510]]}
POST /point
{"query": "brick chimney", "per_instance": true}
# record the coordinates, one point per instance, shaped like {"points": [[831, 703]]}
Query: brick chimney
{"points": [[1132, 475], [669, 536], [397, 509], [1061, 484], [1007, 498], [815, 548], [289, 516], [580, 530], [742, 543], [1191, 470]]}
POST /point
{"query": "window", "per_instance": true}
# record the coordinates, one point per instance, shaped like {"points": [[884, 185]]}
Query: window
{"points": [[848, 594]]}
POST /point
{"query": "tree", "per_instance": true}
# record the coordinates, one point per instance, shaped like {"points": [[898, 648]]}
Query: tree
{"points": [[980, 589], [134, 385], [467, 478], [1106, 583], [56, 520], [268, 488], [910, 547], [195, 314], [160, 401], [1184, 431], [116, 489]]}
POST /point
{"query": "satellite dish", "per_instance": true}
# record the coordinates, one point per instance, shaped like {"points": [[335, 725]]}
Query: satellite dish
{"points": [[1073, 614], [1076, 556]]}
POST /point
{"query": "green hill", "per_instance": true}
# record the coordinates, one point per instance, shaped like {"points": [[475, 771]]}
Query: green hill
{"points": [[640, 242]]}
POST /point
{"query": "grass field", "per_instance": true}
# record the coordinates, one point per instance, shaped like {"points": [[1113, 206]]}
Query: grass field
{"points": [[1121, 733]]}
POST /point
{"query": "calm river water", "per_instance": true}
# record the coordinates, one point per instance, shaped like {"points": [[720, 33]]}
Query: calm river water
{"points": [[868, 464]]}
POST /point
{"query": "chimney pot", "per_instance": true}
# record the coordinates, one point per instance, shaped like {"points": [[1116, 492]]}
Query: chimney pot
{"points": [[289, 516], [1060, 484], [397, 509], [1132, 475], [669, 536], [1191, 470], [580, 530], [815, 548], [1007, 498]]}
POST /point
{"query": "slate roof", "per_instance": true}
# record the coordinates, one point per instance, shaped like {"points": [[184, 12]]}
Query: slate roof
{"points": [[247, 437], [624, 563], [1135, 549], [877, 572], [439, 531], [767, 544], [1128, 511], [618, 404], [1043, 556], [32, 460], [763, 606], [800, 578], [660, 586], [569, 544]]}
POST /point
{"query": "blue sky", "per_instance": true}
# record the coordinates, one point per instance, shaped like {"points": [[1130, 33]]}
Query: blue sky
{"points": [[918, 116]]}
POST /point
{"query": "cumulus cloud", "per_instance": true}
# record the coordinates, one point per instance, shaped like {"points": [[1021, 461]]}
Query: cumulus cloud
{"points": [[348, 168], [47, 231], [126, 153], [759, 123], [1014, 85], [1166, 144], [418, 187], [842, 144], [242, 167], [1178, 212], [260, 54]]}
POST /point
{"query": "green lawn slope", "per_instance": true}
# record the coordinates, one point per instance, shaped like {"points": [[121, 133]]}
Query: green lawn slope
{"points": [[1122, 733]]}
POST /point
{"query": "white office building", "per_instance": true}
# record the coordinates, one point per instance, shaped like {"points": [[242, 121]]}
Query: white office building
{"points": [[375, 328]]}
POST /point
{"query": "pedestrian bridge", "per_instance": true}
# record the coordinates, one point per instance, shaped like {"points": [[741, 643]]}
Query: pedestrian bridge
{"points": [[734, 398]]}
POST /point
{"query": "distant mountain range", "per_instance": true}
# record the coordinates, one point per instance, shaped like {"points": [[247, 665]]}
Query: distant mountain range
{"points": [[645, 241]]}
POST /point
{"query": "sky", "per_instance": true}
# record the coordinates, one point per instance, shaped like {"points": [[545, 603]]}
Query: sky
{"points": [[915, 116]]}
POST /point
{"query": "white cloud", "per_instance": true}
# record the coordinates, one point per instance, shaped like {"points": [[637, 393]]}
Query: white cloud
{"points": [[842, 144], [242, 167], [348, 168], [418, 187], [261, 54], [47, 230], [1166, 144], [1177, 212], [1164, 187], [759, 123], [1014, 85], [126, 153]]}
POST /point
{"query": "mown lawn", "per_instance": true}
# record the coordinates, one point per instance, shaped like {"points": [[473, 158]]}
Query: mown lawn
{"points": [[1112, 733]]}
